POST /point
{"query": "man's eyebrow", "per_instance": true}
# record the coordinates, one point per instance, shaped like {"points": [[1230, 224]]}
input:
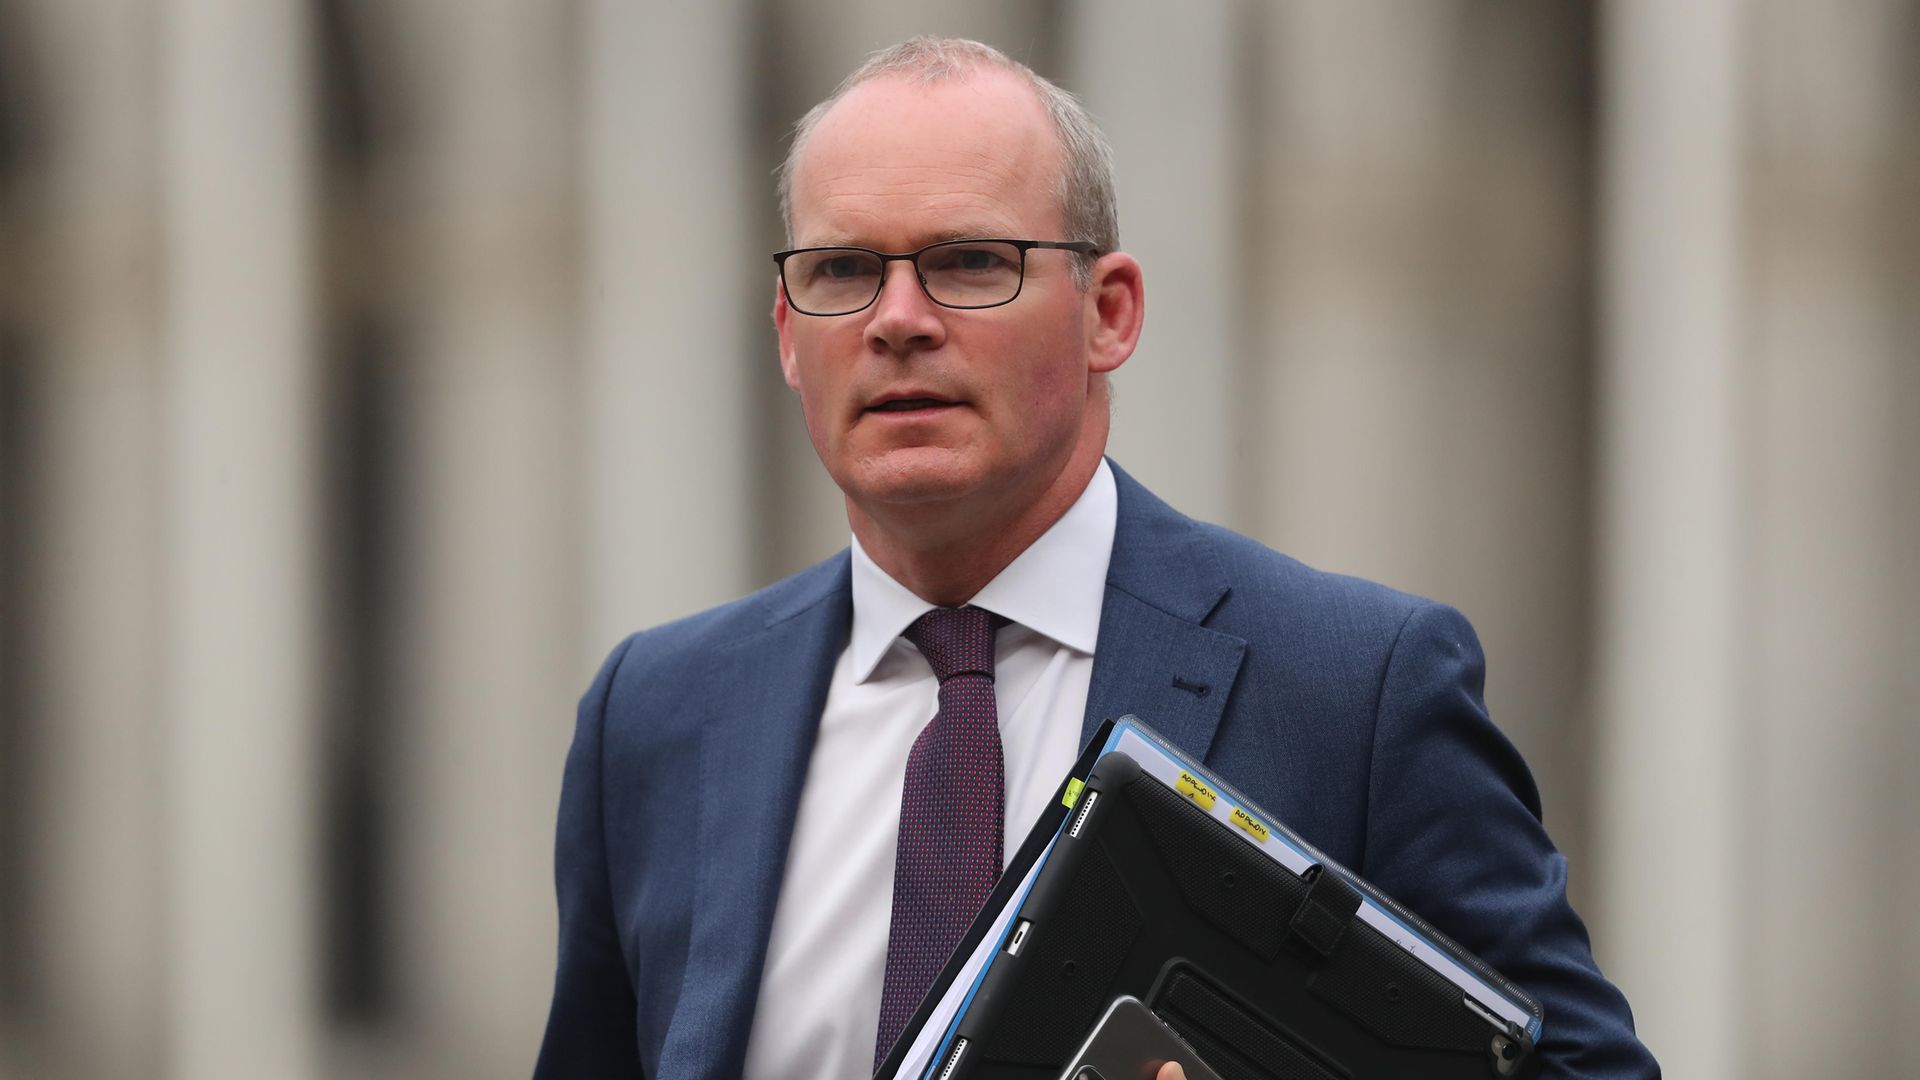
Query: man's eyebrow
{"points": [[958, 232], [967, 232]]}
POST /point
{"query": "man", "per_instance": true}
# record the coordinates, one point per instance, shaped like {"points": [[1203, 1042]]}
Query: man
{"points": [[778, 815]]}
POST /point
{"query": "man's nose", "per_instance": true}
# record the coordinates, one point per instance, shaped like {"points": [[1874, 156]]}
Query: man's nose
{"points": [[903, 317]]}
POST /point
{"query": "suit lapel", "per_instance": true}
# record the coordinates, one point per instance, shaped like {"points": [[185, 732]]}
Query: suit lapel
{"points": [[1155, 658], [768, 692]]}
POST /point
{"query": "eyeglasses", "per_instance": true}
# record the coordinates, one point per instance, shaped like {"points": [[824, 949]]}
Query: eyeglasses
{"points": [[965, 274]]}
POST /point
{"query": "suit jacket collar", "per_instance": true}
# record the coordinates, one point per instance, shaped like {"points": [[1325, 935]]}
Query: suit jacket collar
{"points": [[1156, 658]]}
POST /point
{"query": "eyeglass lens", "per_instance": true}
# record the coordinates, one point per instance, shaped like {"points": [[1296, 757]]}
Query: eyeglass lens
{"points": [[972, 273]]}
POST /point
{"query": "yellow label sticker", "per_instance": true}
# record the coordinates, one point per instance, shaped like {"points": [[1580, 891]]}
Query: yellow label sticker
{"points": [[1074, 787], [1195, 790], [1252, 827]]}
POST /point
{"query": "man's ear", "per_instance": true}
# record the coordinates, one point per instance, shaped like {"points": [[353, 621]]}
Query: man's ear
{"points": [[783, 325], [1115, 308]]}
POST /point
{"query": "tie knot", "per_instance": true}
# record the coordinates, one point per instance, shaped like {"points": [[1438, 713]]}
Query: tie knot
{"points": [[956, 640]]}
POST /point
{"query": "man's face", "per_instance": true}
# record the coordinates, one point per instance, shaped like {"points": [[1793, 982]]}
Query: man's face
{"points": [[1000, 395]]}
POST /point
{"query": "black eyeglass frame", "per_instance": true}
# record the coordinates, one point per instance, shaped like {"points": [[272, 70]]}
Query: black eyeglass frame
{"points": [[1078, 247]]}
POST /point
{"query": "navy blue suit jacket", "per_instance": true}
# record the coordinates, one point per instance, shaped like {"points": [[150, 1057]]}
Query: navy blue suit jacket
{"points": [[1349, 711]]}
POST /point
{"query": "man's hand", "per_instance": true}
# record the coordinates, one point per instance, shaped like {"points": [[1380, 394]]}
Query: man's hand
{"points": [[1171, 1071]]}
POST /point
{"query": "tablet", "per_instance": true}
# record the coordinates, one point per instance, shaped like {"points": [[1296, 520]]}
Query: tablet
{"points": [[1265, 971]]}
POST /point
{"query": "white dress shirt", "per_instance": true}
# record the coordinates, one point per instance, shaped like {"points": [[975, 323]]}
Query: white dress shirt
{"points": [[819, 1005]]}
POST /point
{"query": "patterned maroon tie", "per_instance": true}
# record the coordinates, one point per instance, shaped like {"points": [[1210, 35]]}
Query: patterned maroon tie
{"points": [[951, 811]]}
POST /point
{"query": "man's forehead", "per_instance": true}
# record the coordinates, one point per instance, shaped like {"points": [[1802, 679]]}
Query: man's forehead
{"points": [[999, 98], [968, 148]]}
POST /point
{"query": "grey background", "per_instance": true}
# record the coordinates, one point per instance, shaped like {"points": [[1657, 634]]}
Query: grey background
{"points": [[368, 369]]}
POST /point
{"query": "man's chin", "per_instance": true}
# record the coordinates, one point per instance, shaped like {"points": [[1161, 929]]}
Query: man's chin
{"points": [[913, 476]]}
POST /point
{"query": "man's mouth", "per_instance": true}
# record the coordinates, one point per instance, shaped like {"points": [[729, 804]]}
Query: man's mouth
{"points": [[909, 404]]}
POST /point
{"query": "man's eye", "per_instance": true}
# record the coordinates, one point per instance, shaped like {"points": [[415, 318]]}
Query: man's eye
{"points": [[970, 260], [842, 267]]}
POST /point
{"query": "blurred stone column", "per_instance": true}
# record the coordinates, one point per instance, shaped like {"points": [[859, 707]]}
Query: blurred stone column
{"points": [[492, 560], [99, 931], [1831, 818], [675, 294], [1180, 151], [239, 628], [1415, 403], [1675, 748]]}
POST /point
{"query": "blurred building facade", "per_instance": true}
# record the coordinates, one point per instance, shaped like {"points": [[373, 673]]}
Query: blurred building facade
{"points": [[368, 369]]}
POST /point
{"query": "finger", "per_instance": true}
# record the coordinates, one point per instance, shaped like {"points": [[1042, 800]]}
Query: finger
{"points": [[1171, 1071]]}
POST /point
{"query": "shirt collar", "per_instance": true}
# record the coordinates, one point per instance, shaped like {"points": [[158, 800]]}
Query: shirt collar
{"points": [[1055, 587]]}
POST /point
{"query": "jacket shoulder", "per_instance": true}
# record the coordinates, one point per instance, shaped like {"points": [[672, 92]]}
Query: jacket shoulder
{"points": [[670, 654], [1273, 590], [1236, 584]]}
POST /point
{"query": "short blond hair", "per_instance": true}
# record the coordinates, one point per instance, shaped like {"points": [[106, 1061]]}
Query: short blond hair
{"points": [[1085, 184]]}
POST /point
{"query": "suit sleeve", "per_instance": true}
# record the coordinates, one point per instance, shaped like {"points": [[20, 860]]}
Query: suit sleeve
{"points": [[590, 1028], [1454, 832]]}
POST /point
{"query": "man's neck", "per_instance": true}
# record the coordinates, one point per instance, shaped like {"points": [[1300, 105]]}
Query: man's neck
{"points": [[947, 555]]}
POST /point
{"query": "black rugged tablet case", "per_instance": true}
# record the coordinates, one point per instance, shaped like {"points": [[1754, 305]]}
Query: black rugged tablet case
{"points": [[1269, 975]]}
